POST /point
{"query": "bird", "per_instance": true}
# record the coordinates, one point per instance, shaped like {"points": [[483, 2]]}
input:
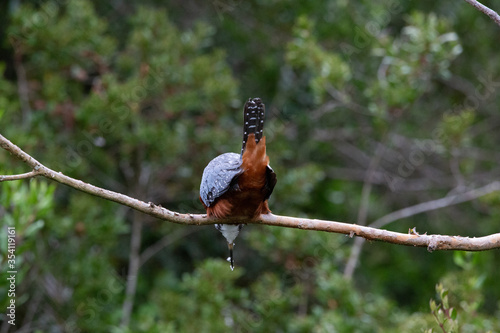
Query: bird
{"points": [[239, 185]]}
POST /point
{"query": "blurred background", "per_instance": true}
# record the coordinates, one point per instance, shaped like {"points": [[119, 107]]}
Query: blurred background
{"points": [[372, 107]]}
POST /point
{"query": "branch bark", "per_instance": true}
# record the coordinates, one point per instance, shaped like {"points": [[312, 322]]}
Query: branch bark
{"points": [[414, 210], [26, 175], [432, 242], [486, 10]]}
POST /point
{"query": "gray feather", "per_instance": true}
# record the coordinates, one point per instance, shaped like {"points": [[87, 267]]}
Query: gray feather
{"points": [[218, 176]]}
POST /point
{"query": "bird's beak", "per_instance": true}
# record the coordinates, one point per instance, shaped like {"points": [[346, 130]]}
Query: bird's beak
{"points": [[231, 258]]}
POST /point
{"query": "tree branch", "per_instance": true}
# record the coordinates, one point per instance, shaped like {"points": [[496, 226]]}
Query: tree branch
{"points": [[363, 210], [133, 270], [482, 8], [165, 241], [26, 175], [436, 204], [432, 242], [414, 210]]}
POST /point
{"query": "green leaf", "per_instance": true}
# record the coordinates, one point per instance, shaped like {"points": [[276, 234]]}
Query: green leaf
{"points": [[33, 228], [453, 313], [433, 305]]}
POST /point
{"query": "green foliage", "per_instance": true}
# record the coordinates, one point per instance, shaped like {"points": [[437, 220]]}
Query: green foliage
{"points": [[138, 97], [43, 34], [461, 298], [445, 316], [326, 69], [423, 51], [26, 207], [25, 203], [454, 128], [201, 301], [6, 89]]}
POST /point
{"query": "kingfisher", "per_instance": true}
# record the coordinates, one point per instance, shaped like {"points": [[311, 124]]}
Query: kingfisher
{"points": [[239, 185]]}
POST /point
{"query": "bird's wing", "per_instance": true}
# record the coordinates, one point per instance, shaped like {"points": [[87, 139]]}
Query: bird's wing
{"points": [[218, 177]]}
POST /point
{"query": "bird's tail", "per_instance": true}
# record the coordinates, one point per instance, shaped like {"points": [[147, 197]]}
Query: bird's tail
{"points": [[253, 120]]}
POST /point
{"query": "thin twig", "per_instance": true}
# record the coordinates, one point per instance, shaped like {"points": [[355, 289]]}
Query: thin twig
{"points": [[363, 210], [414, 210], [455, 169], [133, 270], [368, 184], [165, 241], [432, 242], [436, 204], [22, 84], [26, 175], [482, 8]]}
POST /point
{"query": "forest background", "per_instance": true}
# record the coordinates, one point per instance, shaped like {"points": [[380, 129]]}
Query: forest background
{"points": [[372, 106]]}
